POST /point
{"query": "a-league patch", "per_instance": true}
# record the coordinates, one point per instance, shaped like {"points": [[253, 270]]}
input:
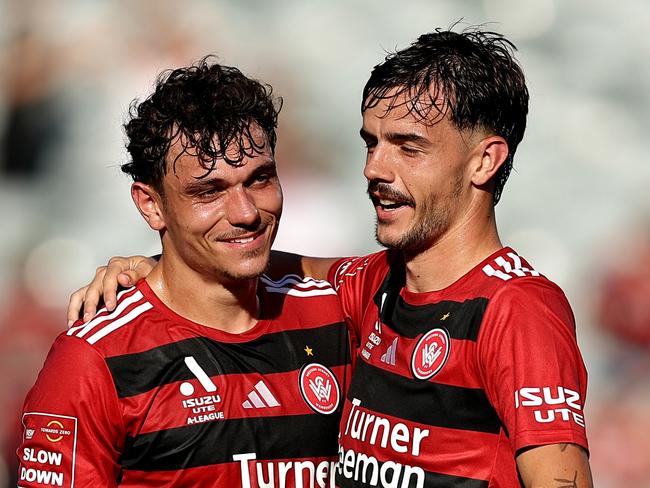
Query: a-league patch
{"points": [[430, 354], [319, 388], [47, 456]]}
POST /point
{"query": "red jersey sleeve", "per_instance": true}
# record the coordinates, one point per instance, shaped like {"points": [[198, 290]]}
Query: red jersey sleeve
{"points": [[72, 426], [532, 369], [344, 277]]}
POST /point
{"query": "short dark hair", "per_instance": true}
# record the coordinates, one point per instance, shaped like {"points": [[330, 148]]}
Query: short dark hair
{"points": [[210, 106], [474, 73]]}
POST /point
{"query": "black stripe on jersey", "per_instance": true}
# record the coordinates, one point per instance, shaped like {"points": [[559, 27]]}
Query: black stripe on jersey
{"points": [[295, 436], [279, 352], [463, 322], [431, 480], [424, 402]]}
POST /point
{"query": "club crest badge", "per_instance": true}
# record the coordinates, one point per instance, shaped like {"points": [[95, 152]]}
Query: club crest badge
{"points": [[430, 354], [319, 388]]}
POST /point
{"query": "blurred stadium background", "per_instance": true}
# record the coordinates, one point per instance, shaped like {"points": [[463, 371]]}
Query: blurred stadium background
{"points": [[577, 206]]}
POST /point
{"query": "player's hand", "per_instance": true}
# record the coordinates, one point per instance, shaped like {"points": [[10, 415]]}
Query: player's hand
{"points": [[120, 271]]}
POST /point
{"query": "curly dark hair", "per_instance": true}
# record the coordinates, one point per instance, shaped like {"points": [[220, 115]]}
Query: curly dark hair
{"points": [[209, 106], [471, 76]]}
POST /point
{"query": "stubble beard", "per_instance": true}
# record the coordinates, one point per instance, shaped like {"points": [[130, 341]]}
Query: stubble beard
{"points": [[434, 220], [234, 276], [240, 275]]}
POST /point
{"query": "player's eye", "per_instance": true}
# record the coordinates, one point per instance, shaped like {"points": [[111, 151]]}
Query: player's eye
{"points": [[409, 150], [263, 178], [208, 193]]}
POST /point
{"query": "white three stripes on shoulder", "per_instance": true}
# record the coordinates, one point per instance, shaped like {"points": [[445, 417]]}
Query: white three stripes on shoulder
{"points": [[72, 330], [95, 321], [120, 322], [115, 319]]}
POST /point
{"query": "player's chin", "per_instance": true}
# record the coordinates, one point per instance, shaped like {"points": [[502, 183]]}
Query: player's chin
{"points": [[389, 235], [251, 266]]}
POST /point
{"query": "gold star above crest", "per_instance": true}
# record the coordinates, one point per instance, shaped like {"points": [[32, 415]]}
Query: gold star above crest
{"points": [[445, 316], [309, 351]]}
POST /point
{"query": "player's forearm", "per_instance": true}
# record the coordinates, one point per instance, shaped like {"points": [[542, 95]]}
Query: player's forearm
{"points": [[555, 466]]}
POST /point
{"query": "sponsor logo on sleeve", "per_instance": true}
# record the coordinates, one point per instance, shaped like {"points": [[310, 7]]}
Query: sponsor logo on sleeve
{"points": [[47, 456], [430, 354], [319, 388], [551, 404]]}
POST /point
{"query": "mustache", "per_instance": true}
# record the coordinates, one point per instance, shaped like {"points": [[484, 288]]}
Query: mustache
{"points": [[241, 230], [377, 189]]}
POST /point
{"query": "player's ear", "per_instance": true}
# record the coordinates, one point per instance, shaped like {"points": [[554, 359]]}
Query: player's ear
{"points": [[149, 204], [492, 153]]}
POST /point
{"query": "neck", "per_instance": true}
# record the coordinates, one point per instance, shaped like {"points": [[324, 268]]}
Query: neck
{"points": [[231, 307], [453, 254]]}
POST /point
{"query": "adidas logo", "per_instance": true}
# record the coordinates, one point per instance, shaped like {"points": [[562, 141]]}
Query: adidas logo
{"points": [[260, 397], [389, 356]]}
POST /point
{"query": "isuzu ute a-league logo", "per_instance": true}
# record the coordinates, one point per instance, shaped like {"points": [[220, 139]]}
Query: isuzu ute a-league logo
{"points": [[319, 388], [430, 354]]}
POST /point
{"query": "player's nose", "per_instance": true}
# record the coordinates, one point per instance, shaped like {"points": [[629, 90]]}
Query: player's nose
{"points": [[242, 209], [378, 165]]}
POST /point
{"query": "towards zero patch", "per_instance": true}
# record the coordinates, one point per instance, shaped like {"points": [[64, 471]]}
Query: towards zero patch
{"points": [[47, 456]]}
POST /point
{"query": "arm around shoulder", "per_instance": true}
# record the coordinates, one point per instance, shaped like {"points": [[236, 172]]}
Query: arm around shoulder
{"points": [[288, 263]]}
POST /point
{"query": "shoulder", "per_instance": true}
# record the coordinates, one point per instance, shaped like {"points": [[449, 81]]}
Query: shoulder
{"points": [[73, 370], [303, 301], [519, 293], [106, 329], [507, 265], [507, 273], [359, 267]]}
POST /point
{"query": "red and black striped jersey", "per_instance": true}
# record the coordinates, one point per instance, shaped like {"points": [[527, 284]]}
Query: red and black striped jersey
{"points": [[449, 385], [144, 397]]}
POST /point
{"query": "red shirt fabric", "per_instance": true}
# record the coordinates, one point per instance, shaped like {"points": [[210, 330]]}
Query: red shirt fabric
{"points": [[449, 385], [144, 397]]}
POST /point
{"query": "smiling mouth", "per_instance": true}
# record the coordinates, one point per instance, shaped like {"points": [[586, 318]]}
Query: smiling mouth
{"points": [[386, 197], [389, 203], [244, 239]]}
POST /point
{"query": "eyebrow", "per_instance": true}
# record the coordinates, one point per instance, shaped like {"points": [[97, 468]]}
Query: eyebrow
{"points": [[365, 135], [266, 168], [202, 184], [397, 137]]}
